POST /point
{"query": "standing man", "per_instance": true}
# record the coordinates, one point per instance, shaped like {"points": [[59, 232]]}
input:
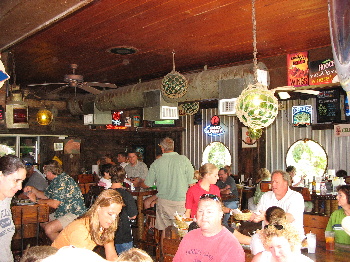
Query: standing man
{"points": [[136, 170], [282, 196], [63, 194], [172, 174], [227, 185]]}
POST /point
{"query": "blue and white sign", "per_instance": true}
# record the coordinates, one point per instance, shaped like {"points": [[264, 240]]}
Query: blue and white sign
{"points": [[302, 115]]}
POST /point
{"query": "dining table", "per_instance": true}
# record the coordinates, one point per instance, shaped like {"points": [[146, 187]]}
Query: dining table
{"points": [[340, 254], [140, 193]]}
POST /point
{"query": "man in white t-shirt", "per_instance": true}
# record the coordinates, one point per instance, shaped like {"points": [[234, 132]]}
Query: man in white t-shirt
{"points": [[282, 196]]}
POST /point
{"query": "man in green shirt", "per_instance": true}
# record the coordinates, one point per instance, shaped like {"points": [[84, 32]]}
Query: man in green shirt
{"points": [[172, 174]]}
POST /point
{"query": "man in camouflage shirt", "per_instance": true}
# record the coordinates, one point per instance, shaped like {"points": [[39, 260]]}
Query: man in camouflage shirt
{"points": [[63, 194]]}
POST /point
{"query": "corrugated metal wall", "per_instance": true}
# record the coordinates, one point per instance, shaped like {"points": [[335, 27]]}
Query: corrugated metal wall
{"points": [[279, 137], [195, 140]]}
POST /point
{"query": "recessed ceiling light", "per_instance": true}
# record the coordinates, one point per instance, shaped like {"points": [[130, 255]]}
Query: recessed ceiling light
{"points": [[122, 50]]}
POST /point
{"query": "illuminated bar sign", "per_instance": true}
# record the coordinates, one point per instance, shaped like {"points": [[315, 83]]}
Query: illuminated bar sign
{"points": [[298, 69], [214, 129]]}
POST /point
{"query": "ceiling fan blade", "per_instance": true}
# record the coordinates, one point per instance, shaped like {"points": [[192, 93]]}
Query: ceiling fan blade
{"points": [[46, 84], [85, 86], [109, 85], [57, 90]]}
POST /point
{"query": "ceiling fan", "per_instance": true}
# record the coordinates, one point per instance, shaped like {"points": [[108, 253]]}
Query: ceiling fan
{"points": [[77, 81]]}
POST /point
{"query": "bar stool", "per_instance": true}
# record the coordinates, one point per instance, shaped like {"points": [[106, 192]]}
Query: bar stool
{"points": [[27, 221], [151, 235]]}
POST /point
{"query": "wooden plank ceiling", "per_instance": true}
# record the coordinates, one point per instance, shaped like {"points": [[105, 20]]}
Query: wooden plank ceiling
{"points": [[202, 32]]}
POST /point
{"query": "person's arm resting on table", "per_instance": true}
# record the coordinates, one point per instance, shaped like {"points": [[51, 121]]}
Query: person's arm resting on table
{"points": [[39, 197]]}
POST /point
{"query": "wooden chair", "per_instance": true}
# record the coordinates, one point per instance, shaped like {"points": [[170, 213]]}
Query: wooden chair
{"points": [[171, 243], [86, 178], [265, 186], [304, 191], [151, 235], [92, 194], [27, 221]]}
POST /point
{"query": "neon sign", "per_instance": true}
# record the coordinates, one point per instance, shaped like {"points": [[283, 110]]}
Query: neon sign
{"points": [[214, 129]]}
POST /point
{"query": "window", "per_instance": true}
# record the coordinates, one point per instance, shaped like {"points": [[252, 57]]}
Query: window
{"points": [[217, 154], [308, 157]]}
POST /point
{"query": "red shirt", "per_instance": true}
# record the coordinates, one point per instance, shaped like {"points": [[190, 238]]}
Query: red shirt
{"points": [[195, 192]]}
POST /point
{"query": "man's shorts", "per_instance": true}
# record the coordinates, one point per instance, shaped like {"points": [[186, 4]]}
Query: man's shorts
{"points": [[165, 210], [64, 220]]}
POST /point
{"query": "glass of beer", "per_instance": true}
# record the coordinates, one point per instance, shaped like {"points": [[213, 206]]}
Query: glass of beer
{"points": [[329, 235]]}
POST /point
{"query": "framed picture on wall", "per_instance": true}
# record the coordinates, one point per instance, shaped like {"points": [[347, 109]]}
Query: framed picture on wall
{"points": [[72, 146], [246, 140]]}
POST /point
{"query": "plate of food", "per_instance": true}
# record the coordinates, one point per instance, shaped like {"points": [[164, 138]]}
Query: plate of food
{"points": [[24, 202], [243, 215], [182, 224]]}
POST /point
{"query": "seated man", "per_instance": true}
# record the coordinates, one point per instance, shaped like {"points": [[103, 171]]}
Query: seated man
{"points": [[136, 170], [122, 159], [282, 196], [211, 241], [63, 194], [34, 176], [227, 185]]}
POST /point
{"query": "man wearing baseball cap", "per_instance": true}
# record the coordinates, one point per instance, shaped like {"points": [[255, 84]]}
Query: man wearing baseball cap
{"points": [[34, 177]]}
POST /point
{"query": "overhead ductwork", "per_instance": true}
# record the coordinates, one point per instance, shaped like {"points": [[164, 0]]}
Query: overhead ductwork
{"points": [[206, 85]]}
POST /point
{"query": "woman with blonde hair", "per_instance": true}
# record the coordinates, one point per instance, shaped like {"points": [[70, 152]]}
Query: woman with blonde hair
{"points": [[134, 255], [96, 227], [282, 244], [274, 216], [207, 176]]}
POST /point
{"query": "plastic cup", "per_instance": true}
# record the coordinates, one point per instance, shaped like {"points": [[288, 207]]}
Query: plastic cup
{"points": [[311, 242], [330, 241]]}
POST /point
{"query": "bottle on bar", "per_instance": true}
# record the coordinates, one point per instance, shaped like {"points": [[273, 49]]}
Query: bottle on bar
{"points": [[314, 185]]}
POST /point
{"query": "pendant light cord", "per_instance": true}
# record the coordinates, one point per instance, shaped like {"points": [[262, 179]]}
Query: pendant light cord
{"points": [[174, 60], [255, 51]]}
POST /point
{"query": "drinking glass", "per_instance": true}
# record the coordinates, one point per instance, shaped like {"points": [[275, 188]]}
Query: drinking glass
{"points": [[311, 242], [329, 235]]}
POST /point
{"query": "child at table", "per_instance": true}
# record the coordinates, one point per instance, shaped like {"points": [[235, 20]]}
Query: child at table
{"points": [[123, 237], [105, 181]]}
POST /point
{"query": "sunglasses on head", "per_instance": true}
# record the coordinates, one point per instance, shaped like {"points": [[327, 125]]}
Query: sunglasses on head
{"points": [[278, 227], [210, 196]]}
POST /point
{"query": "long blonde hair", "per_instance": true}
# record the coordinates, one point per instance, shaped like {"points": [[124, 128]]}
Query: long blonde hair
{"points": [[105, 199]]}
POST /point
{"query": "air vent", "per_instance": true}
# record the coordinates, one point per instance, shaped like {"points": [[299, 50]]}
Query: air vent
{"points": [[227, 106], [169, 112], [122, 50]]}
